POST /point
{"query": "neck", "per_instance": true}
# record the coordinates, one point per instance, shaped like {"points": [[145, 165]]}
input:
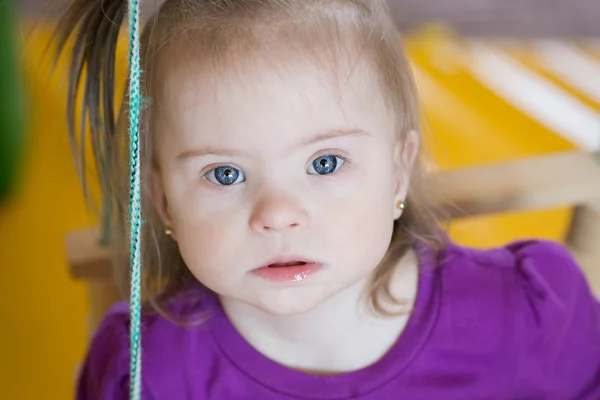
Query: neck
{"points": [[318, 340]]}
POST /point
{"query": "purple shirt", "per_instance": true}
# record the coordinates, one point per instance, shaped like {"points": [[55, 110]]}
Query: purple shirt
{"points": [[517, 322]]}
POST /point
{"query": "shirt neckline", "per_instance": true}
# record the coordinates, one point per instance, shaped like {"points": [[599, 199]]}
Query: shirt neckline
{"points": [[278, 378]]}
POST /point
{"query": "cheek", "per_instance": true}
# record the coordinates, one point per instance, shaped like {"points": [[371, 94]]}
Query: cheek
{"points": [[204, 240], [198, 241], [364, 220], [200, 216]]}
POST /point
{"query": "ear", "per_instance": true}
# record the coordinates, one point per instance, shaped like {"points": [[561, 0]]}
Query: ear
{"points": [[160, 200], [404, 158]]}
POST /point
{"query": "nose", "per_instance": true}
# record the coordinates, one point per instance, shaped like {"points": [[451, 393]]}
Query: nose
{"points": [[277, 214]]}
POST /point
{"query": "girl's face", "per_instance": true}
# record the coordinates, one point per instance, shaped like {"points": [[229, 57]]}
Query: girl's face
{"points": [[280, 167]]}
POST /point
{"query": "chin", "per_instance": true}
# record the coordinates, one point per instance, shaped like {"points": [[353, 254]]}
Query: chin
{"points": [[289, 301]]}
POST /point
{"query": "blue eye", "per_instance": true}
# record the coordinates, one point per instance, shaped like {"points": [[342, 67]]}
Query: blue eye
{"points": [[225, 175], [325, 165]]}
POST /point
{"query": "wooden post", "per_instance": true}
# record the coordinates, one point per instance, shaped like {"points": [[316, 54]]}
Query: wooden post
{"points": [[101, 296], [93, 264], [583, 239], [555, 180]]}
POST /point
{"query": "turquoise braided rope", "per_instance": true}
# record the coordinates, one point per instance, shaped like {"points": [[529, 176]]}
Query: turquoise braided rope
{"points": [[135, 203]]}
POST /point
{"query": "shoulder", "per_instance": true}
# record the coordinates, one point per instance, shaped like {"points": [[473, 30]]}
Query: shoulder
{"points": [[541, 271], [165, 354], [541, 267], [105, 372], [537, 294]]}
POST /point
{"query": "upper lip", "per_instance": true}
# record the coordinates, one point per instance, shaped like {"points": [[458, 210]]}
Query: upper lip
{"points": [[288, 259]]}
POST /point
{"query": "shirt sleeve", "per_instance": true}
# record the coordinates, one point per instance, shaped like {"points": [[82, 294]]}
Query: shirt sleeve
{"points": [[559, 330], [105, 372]]}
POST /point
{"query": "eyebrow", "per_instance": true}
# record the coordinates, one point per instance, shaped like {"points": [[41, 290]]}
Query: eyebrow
{"points": [[321, 137], [333, 134], [210, 151]]}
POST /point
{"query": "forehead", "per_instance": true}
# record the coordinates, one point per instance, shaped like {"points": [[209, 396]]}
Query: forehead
{"points": [[296, 97]]}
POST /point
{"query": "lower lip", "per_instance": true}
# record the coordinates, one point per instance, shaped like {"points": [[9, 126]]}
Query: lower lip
{"points": [[288, 274]]}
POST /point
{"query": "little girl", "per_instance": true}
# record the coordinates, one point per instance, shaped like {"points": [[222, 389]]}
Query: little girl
{"points": [[290, 252]]}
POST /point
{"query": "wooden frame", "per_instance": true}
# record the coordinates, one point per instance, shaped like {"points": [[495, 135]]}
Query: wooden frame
{"points": [[555, 180]]}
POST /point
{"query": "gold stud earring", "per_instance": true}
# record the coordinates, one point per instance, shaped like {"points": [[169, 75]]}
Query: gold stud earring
{"points": [[168, 232], [401, 204]]}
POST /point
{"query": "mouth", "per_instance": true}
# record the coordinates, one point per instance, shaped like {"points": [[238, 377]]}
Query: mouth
{"points": [[288, 269], [296, 263], [289, 261]]}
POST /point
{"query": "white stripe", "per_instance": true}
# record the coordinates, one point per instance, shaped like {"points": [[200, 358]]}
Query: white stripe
{"points": [[571, 65], [536, 96]]}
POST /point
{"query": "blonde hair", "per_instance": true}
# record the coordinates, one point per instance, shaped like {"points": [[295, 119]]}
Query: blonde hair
{"points": [[219, 32]]}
